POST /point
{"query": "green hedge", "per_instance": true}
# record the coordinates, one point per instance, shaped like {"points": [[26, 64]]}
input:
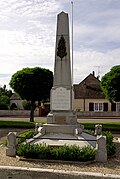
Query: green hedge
{"points": [[25, 135], [70, 153], [109, 141]]}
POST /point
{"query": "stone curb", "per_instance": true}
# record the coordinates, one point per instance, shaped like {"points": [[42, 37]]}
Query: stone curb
{"points": [[61, 173]]}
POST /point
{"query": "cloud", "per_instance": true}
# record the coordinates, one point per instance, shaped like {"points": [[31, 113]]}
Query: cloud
{"points": [[96, 24], [87, 61], [28, 33]]}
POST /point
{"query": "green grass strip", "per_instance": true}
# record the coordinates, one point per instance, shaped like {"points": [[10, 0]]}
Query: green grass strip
{"points": [[112, 126], [16, 124]]}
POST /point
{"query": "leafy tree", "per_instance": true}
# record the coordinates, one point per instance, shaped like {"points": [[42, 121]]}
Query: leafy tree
{"points": [[5, 97], [5, 92], [110, 84], [26, 105], [32, 84], [4, 102]]}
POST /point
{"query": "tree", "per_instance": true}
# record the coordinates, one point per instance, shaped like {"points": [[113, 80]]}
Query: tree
{"points": [[32, 84], [5, 92], [110, 84], [5, 97], [4, 102], [26, 104]]}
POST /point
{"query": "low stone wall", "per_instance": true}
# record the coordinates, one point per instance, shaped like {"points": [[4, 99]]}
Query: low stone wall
{"points": [[19, 113], [98, 114], [36, 173]]}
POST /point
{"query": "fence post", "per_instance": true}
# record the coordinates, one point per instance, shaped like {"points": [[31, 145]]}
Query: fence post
{"points": [[98, 129], [101, 155], [11, 150]]}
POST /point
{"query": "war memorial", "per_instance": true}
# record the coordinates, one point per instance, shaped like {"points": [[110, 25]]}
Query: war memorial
{"points": [[62, 127]]}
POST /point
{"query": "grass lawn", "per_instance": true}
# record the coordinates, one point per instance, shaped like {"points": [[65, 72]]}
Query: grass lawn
{"points": [[16, 124], [109, 126]]}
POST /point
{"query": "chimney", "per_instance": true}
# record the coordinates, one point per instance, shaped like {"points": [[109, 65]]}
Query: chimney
{"points": [[93, 73]]}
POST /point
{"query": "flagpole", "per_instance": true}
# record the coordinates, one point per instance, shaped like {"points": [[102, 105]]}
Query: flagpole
{"points": [[72, 53], [72, 38]]}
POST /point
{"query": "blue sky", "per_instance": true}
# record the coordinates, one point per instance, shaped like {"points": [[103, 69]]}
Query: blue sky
{"points": [[28, 32]]}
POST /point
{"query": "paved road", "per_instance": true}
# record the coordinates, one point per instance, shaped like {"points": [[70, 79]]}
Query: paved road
{"points": [[99, 120], [43, 119]]}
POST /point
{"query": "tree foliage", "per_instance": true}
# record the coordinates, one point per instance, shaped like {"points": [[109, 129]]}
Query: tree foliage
{"points": [[110, 84], [32, 84], [5, 92], [26, 105], [5, 97]]}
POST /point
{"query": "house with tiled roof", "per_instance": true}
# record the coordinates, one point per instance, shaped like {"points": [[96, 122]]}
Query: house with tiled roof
{"points": [[88, 96], [15, 100]]}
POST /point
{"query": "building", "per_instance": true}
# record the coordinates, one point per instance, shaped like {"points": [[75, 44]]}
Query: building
{"points": [[88, 96], [16, 101]]}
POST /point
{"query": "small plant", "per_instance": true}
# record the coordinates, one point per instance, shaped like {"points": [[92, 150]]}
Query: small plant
{"points": [[109, 141], [73, 153], [25, 135]]}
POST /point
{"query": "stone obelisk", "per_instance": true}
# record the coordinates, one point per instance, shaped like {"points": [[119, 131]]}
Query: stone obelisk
{"points": [[62, 67], [61, 93], [62, 127]]}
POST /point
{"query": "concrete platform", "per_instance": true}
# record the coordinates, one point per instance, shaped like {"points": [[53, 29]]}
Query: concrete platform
{"points": [[60, 139]]}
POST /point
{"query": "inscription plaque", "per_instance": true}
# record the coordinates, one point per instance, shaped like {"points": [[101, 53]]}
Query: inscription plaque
{"points": [[60, 99]]}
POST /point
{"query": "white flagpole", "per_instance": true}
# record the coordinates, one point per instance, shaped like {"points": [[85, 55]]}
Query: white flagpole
{"points": [[72, 51], [72, 39]]}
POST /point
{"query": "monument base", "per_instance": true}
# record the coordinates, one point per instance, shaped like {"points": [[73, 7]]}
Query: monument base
{"points": [[58, 135], [62, 117]]}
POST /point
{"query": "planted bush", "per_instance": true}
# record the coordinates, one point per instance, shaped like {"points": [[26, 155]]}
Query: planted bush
{"points": [[40, 151], [110, 145], [26, 135]]}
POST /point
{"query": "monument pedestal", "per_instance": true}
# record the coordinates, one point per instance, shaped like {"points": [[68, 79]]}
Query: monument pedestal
{"points": [[62, 127], [62, 117]]}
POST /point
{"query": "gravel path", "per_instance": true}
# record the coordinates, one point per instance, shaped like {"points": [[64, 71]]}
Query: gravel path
{"points": [[112, 166]]}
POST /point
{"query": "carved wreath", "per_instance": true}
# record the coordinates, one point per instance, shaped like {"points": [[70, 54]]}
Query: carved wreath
{"points": [[61, 50]]}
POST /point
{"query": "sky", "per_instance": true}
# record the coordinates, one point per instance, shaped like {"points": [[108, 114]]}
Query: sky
{"points": [[28, 33]]}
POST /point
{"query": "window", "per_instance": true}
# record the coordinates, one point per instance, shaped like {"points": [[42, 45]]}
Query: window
{"points": [[115, 107], [118, 106], [91, 106], [105, 105], [98, 106]]}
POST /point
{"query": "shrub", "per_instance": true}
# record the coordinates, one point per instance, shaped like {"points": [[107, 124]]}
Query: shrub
{"points": [[42, 151], [27, 134], [3, 106], [109, 143]]}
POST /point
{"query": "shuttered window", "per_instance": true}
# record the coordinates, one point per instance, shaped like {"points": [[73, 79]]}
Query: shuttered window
{"points": [[118, 106], [113, 107], [91, 106], [105, 106], [98, 106]]}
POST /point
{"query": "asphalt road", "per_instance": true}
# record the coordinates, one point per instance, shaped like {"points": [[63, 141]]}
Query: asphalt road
{"points": [[43, 119]]}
